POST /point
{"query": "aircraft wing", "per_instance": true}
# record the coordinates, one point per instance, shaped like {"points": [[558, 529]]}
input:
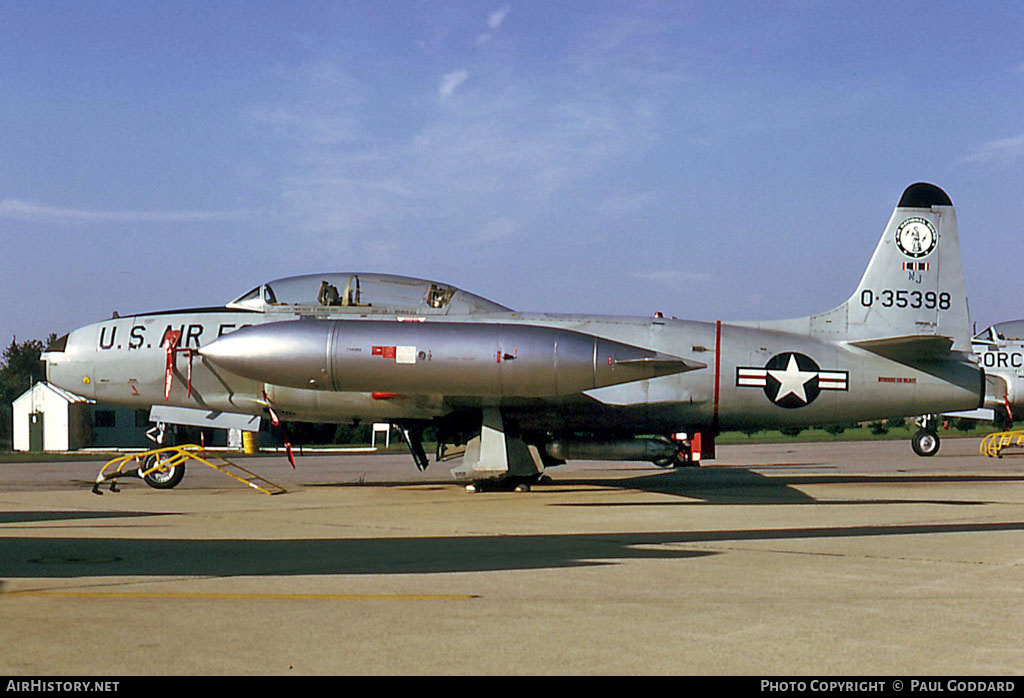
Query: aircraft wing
{"points": [[983, 414]]}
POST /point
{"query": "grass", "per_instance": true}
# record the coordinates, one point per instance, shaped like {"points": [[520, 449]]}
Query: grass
{"points": [[35, 457], [862, 433], [765, 436]]}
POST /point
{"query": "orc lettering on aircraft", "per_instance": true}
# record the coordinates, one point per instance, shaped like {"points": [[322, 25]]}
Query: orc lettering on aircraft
{"points": [[1002, 359], [191, 336]]}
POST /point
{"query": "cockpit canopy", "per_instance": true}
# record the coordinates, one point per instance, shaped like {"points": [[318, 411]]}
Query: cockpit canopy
{"points": [[347, 292], [1010, 331]]}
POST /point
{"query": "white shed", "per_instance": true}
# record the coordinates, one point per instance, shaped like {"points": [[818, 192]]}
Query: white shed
{"points": [[47, 418]]}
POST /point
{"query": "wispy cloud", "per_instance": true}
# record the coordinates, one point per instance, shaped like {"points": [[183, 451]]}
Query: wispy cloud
{"points": [[498, 230], [671, 276], [303, 127], [623, 204], [492, 170], [494, 20], [28, 211], [451, 81], [1004, 149]]}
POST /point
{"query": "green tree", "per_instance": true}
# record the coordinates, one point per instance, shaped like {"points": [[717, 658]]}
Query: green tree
{"points": [[963, 424], [1002, 420], [19, 370], [352, 433]]}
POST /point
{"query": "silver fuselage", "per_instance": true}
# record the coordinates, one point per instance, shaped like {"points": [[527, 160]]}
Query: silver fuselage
{"points": [[123, 361]]}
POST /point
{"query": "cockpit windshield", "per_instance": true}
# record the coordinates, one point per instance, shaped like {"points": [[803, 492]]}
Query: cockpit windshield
{"points": [[366, 293], [1002, 332], [1012, 331]]}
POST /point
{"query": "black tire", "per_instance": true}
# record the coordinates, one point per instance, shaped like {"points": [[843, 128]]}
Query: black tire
{"points": [[925, 443], [165, 479]]}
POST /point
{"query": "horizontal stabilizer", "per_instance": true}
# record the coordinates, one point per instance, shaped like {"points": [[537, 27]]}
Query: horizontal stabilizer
{"points": [[908, 347]]}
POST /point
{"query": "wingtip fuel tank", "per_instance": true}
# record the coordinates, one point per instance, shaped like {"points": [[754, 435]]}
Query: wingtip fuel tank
{"points": [[450, 358]]}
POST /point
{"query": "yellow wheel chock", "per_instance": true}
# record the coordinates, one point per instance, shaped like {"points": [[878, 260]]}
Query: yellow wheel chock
{"points": [[993, 444], [171, 456]]}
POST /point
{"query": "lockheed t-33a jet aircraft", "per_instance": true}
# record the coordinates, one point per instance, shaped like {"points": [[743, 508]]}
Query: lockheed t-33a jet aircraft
{"points": [[527, 391]]}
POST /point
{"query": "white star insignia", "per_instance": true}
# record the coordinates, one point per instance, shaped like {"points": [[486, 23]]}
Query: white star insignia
{"points": [[792, 380]]}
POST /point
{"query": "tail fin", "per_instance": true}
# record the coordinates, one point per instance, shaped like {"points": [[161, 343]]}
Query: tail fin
{"points": [[912, 298]]}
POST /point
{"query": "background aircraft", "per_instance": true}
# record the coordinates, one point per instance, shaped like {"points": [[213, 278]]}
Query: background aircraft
{"points": [[524, 391], [1000, 352]]}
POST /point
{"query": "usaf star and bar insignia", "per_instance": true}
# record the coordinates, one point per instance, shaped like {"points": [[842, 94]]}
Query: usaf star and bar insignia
{"points": [[791, 379]]}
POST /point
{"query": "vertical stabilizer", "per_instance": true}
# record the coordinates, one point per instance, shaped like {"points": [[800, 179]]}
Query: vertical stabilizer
{"points": [[913, 291]]}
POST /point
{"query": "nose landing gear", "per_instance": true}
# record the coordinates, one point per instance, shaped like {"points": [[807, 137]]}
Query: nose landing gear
{"points": [[926, 441]]}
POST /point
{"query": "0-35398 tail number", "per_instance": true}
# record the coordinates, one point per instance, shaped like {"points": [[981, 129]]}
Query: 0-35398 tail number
{"points": [[903, 298]]}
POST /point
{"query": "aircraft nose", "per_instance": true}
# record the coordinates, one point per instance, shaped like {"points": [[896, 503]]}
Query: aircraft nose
{"points": [[68, 367]]}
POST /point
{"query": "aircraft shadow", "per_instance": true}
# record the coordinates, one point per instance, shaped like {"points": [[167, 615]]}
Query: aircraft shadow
{"points": [[741, 486], [16, 517], [722, 485], [733, 484], [116, 557]]}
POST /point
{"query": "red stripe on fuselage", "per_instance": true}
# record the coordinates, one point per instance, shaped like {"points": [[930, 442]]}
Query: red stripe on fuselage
{"points": [[718, 372]]}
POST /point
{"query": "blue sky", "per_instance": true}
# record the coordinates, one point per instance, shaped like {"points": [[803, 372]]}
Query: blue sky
{"points": [[710, 160]]}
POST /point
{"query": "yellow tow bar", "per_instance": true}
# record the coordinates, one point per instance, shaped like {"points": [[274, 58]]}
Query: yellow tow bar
{"points": [[993, 444], [168, 457]]}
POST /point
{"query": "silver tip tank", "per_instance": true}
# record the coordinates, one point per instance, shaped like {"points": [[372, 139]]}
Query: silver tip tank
{"points": [[449, 358]]}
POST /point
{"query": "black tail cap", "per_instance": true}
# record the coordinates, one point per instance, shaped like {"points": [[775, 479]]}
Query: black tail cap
{"points": [[924, 195]]}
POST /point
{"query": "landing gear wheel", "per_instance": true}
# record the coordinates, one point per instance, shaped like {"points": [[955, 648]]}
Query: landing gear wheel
{"points": [[925, 443], [162, 479]]}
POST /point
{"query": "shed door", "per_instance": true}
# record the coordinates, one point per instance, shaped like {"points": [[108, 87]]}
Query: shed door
{"points": [[35, 431]]}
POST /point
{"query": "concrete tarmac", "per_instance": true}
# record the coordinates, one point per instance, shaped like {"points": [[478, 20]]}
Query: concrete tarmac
{"points": [[809, 559]]}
